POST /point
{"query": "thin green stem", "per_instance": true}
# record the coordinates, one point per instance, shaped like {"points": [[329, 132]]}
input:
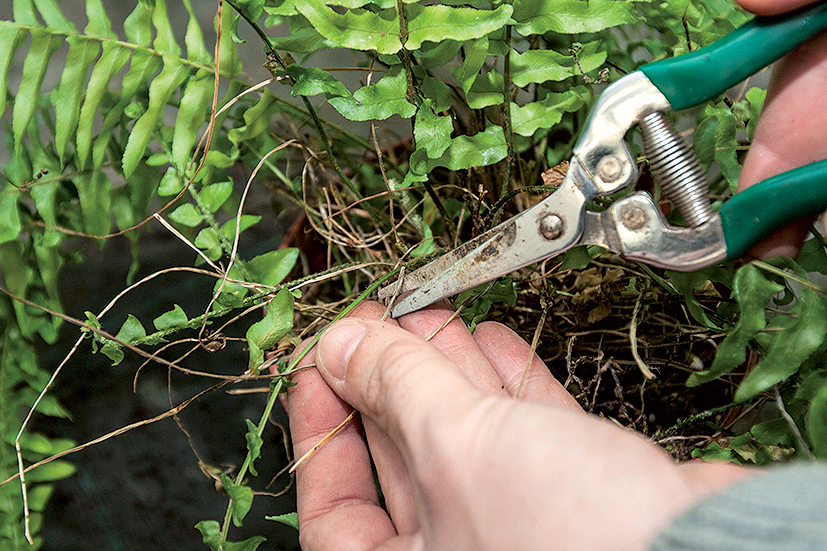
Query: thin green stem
{"points": [[278, 386], [313, 115], [787, 275], [506, 112]]}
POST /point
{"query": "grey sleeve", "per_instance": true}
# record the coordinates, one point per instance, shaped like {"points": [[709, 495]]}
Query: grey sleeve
{"points": [[784, 509]]}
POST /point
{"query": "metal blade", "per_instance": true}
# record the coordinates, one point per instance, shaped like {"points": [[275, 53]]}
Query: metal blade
{"points": [[549, 227]]}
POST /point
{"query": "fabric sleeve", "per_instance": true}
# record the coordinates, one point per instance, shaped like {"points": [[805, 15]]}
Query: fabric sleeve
{"points": [[784, 509]]}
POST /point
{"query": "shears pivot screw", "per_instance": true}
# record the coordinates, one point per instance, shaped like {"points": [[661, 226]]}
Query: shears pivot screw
{"points": [[551, 226], [609, 169], [634, 218]]}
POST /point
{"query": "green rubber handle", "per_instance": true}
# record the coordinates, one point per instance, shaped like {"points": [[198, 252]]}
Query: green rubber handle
{"points": [[692, 78], [767, 206]]}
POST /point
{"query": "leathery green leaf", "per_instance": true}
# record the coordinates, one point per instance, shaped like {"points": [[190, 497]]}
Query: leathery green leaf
{"points": [[9, 217], [194, 38], [528, 118], [99, 25], [161, 89], [569, 16], [187, 215], [351, 4], [251, 8], [432, 132], [271, 268], [481, 149], [288, 519], [113, 58], [242, 497], [752, 291], [310, 81], [173, 319], [817, 423], [266, 333], [214, 195], [95, 199], [164, 35], [210, 533], [438, 23], [192, 112], [353, 29], [141, 68], [254, 443], [24, 13], [804, 333], [67, 97], [229, 227], [715, 140], [43, 46], [53, 17], [475, 53], [377, 101], [547, 65], [11, 38], [131, 330]]}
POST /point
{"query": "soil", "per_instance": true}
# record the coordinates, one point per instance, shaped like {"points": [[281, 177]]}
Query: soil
{"points": [[144, 489]]}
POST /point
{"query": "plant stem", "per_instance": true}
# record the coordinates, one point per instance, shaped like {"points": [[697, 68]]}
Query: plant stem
{"points": [[278, 385], [313, 115], [507, 128]]}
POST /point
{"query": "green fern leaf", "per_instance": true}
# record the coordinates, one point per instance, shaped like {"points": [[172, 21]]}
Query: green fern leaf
{"points": [[67, 97], [538, 66], [437, 23], [113, 58], [194, 39], [192, 112], [377, 101], [11, 38], [165, 37], [95, 200], [9, 217], [359, 30], [54, 18], [569, 16], [475, 53], [99, 25], [43, 46], [528, 118], [160, 91], [24, 13]]}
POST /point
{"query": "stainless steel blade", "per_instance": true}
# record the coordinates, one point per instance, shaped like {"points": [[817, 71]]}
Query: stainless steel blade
{"points": [[522, 240]]}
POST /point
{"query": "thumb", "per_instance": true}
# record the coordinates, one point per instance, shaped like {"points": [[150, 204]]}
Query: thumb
{"points": [[395, 378]]}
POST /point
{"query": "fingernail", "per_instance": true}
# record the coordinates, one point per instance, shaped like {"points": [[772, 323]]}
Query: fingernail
{"points": [[337, 345]]}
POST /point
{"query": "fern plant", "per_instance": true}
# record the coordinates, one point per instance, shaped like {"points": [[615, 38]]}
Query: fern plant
{"points": [[146, 127]]}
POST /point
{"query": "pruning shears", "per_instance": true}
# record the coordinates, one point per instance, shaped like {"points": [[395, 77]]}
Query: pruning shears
{"points": [[601, 164]]}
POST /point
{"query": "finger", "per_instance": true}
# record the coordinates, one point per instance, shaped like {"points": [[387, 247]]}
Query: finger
{"points": [[393, 377], [337, 498], [790, 132], [455, 341], [773, 7], [519, 368], [391, 469]]}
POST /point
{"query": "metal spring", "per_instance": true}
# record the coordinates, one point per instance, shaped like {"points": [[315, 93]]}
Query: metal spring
{"points": [[676, 169]]}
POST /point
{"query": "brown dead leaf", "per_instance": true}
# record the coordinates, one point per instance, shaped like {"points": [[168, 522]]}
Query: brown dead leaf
{"points": [[588, 278], [556, 174], [603, 310]]}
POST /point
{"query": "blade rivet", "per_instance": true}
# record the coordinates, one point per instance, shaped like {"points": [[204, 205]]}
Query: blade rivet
{"points": [[634, 218], [551, 226], [609, 169]]}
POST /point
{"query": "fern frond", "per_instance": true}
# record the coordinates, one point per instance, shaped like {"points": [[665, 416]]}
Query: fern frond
{"points": [[157, 74]]}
